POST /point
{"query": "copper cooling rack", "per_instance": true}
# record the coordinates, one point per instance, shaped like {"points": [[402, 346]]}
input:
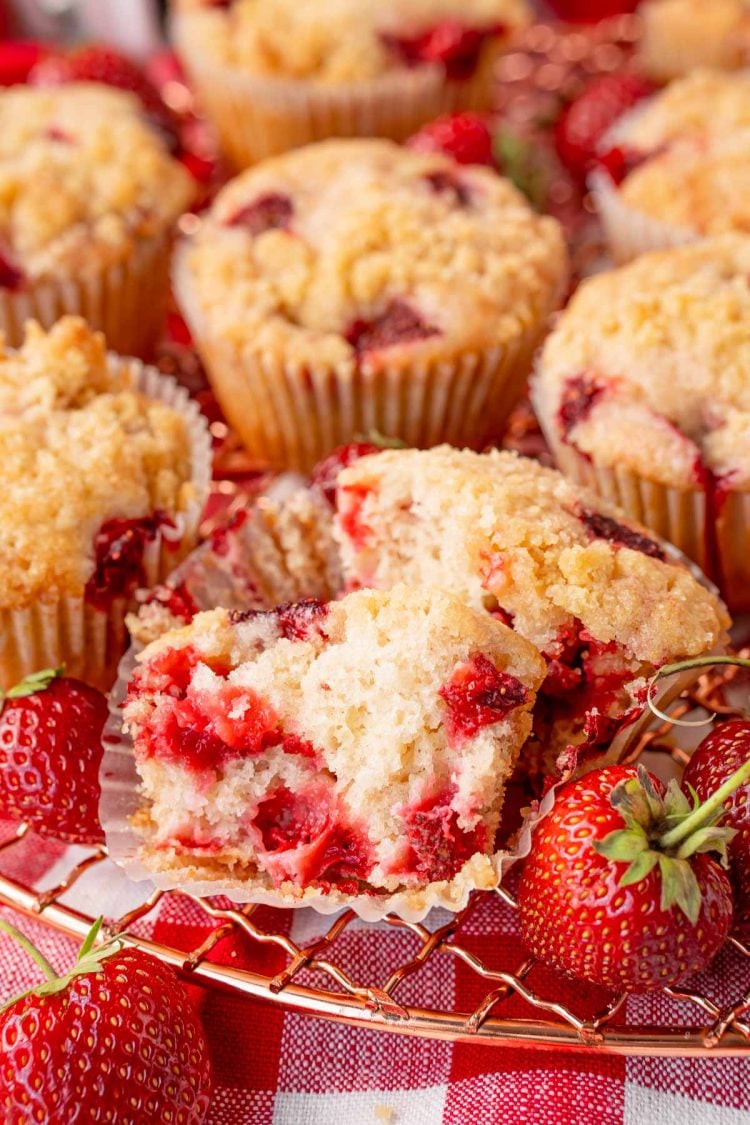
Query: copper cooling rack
{"points": [[502, 1002]]}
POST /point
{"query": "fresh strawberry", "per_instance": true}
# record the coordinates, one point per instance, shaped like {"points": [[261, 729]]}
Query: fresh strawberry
{"points": [[99, 63], [116, 1039], [618, 888], [591, 11], [581, 126], [50, 750], [716, 759], [18, 57], [464, 136]]}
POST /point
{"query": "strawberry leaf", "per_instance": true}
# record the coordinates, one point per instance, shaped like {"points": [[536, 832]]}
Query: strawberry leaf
{"points": [[34, 682], [641, 866], [679, 887], [622, 845]]}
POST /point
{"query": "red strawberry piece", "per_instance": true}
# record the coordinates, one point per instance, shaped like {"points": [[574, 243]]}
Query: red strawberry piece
{"points": [[619, 161], [99, 63], [591, 11], [582, 125], [477, 695], [18, 58], [716, 759], [119, 547], [603, 527], [325, 474], [580, 395], [438, 848], [450, 43], [116, 1039], [273, 211], [399, 323], [300, 620], [11, 277], [50, 750], [618, 888], [464, 136]]}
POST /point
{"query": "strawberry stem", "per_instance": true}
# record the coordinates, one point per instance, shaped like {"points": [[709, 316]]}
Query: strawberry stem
{"points": [[30, 948], [700, 662], [705, 810]]}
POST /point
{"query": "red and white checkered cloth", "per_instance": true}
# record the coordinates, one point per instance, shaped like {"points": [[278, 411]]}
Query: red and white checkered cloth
{"points": [[278, 1068]]}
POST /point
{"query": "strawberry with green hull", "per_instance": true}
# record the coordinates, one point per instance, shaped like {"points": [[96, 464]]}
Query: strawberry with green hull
{"points": [[722, 752], [50, 749], [116, 1039], [619, 888]]}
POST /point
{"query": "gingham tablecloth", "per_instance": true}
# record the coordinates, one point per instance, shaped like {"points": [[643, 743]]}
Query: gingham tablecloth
{"points": [[278, 1068]]}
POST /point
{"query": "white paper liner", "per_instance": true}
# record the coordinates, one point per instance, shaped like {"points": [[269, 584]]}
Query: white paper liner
{"points": [[293, 414], [214, 580], [257, 117], [629, 232], [125, 300], [69, 630]]}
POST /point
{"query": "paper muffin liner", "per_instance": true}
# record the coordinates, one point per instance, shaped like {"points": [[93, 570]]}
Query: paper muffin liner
{"points": [[244, 579], [257, 117], [125, 300], [292, 414], [68, 630], [629, 232]]}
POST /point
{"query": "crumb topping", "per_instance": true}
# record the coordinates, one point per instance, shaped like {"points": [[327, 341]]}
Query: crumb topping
{"points": [[331, 41], [81, 174], [518, 539], [666, 339], [79, 447], [705, 101], [368, 256]]}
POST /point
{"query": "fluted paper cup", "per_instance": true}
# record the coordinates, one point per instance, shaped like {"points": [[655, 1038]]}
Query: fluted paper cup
{"points": [[629, 232], [69, 630]]}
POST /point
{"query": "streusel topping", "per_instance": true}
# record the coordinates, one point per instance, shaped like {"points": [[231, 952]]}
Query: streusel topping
{"points": [[78, 447], [701, 184], [519, 539], [82, 178], [342, 249], [332, 40], [679, 35], [705, 101], [395, 717], [664, 344]]}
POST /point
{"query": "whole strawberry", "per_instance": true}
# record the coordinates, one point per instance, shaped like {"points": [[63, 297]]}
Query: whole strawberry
{"points": [[618, 888], [116, 1040], [582, 125], [723, 752], [464, 136], [50, 750], [591, 11]]}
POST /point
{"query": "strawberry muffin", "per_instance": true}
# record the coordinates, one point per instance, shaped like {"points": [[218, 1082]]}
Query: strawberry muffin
{"points": [[680, 35], [595, 594], [107, 465], [277, 74], [355, 285], [88, 201], [321, 753], [643, 391]]}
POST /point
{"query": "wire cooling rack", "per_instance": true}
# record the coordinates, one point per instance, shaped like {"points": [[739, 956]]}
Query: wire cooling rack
{"points": [[499, 997]]}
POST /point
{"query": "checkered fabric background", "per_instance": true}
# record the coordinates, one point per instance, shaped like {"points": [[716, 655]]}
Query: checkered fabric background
{"points": [[277, 1068]]}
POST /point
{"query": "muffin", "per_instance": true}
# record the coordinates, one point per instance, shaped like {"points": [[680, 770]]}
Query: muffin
{"points": [[88, 202], [355, 285], [643, 391], [317, 751], [107, 465], [597, 595], [680, 35], [686, 189], [276, 74]]}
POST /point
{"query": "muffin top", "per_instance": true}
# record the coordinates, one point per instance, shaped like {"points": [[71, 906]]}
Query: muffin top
{"points": [[363, 251], [79, 448], [705, 101], [83, 177], [698, 184], [521, 540], [334, 41], [381, 711], [679, 35], [649, 366]]}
